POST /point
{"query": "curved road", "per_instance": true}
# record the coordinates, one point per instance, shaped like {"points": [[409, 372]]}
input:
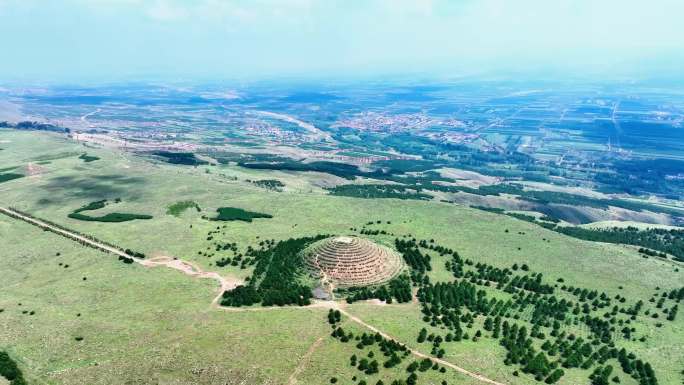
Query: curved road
{"points": [[177, 264]]}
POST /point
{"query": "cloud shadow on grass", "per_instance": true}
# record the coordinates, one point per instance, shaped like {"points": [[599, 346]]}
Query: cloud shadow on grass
{"points": [[93, 187]]}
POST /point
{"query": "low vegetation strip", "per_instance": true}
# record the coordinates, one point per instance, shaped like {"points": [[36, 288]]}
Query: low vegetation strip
{"points": [[10, 176], [342, 170], [374, 191], [83, 239], [551, 197], [237, 214], [110, 217], [37, 126], [10, 371]]}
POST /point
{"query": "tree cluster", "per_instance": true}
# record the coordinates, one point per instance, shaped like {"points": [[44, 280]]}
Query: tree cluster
{"points": [[455, 305], [274, 281], [398, 289], [10, 370]]}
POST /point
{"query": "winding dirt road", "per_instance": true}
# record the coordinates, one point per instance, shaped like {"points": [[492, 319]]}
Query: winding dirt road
{"points": [[305, 359], [227, 284], [422, 355], [340, 306]]}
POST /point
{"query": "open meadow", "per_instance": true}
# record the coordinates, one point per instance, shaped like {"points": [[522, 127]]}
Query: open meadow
{"points": [[100, 321]]}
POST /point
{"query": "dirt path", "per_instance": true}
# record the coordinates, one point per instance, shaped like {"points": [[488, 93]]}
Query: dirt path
{"points": [[225, 283], [340, 306], [229, 283], [305, 359], [419, 354], [191, 269]]}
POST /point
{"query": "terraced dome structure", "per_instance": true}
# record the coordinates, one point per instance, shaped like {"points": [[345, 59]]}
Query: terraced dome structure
{"points": [[347, 261]]}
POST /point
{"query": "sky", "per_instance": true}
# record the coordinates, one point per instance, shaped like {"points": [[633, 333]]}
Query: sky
{"points": [[72, 40]]}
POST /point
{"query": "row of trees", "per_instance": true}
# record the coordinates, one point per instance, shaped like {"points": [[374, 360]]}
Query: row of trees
{"points": [[66, 232]]}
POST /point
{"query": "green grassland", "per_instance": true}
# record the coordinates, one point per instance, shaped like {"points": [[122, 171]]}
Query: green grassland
{"points": [[138, 325], [124, 304], [332, 359]]}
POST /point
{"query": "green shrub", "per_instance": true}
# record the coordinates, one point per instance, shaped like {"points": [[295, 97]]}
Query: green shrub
{"points": [[236, 214]]}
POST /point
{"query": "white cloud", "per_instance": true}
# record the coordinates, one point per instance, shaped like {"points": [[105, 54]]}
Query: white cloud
{"points": [[166, 10], [409, 7]]}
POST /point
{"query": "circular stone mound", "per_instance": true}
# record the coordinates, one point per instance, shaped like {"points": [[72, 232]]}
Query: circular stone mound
{"points": [[350, 261]]}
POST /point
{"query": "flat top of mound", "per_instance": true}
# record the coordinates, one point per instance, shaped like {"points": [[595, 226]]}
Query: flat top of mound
{"points": [[351, 261], [343, 239]]}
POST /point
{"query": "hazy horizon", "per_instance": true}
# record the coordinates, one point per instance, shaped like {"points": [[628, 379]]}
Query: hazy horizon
{"points": [[114, 40]]}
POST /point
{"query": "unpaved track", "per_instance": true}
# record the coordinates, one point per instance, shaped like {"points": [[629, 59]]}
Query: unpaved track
{"points": [[422, 355], [305, 359], [227, 284], [193, 270], [173, 263], [340, 307]]}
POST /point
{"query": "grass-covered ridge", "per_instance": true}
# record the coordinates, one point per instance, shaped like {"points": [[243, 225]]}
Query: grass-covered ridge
{"points": [[237, 214], [110, 217]]}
